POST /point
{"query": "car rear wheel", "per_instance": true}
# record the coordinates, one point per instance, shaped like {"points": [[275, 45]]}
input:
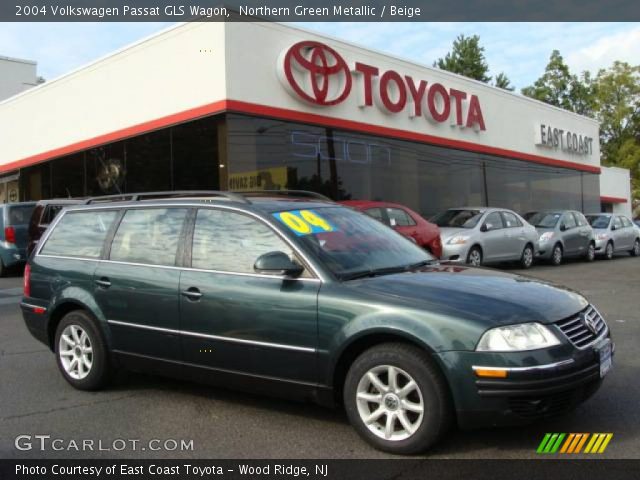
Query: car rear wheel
{"points": [[2, 269], [608, 251], [397, 399], [526, 259], [474, 257], [80, 352], [635, 252], [591, 253], [556, 255]]}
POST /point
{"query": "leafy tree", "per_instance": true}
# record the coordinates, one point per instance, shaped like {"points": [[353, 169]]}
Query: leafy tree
{"points": [[554, 86], [502, 81], [466, 58]]}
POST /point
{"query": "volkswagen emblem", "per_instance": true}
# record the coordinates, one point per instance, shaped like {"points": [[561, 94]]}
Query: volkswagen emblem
{"points": [[316, 73], [589, 322]]}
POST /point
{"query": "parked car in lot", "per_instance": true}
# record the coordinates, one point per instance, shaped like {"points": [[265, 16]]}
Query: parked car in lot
{"points": [[482, 235], [403, 220], [43, 214], [563, 234], [614, 233], [14, 221], [306, 298]]}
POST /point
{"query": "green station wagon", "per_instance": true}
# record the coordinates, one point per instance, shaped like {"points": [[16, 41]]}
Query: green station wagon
{"points": [[293, 295]]}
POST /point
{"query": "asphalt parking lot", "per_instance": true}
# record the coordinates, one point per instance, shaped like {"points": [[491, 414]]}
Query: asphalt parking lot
{"points": [[34, 398]]}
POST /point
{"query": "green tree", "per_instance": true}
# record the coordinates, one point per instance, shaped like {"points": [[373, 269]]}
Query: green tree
{"points": [[466, 58], [554, 86], [502, 81]]}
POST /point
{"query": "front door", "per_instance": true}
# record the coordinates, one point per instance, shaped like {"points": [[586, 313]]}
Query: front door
{"points": [[571, 234], [235, 320], [137, 288], [494, 239]]}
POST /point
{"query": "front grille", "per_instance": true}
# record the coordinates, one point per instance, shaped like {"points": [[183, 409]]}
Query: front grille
{"points": [[577, 328]]}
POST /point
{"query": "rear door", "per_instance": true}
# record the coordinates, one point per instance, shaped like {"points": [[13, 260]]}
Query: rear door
{"points": [[585, 230], [618, 234], [515, 236], [137, 286], [236, 320]]}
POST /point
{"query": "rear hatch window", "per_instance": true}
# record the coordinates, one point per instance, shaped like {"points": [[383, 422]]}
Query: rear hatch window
{"points": [[20, 215]]}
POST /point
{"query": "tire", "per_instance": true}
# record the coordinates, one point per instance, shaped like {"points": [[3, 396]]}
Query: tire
{"points": [[590, 256], [526, 259], [635, 251], [79, 342], [474, 257], [418, 431], [608, 251], [3, 270], [556, 255]]}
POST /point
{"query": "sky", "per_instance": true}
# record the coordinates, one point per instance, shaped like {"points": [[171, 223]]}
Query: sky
{"points": [[520, 50]]}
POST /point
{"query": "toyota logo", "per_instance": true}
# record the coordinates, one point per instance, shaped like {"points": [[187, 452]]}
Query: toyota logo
{"points": [[316, 73]]}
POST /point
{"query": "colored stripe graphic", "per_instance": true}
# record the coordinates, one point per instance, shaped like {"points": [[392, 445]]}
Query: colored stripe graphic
{"points": [[553, 443]]}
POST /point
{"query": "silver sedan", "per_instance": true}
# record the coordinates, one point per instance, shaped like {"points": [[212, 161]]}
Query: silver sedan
{"points": [[482, 235], [613, 234]]}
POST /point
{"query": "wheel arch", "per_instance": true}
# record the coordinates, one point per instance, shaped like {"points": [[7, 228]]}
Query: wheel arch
{"points": [[61, 309]]}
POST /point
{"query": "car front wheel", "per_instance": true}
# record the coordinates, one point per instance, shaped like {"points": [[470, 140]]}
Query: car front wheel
{"points": [[591, 253], [397, 399], [80, 352], [556, 255], [608, 252], [474, 258]]}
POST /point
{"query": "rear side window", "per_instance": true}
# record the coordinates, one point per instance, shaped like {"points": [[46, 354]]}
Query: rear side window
{"points": [[625, 221], [20, 215], [399, 218], [510, 220], [80, 234], [569, 221], [232, 242], [149, 236], [375, 213]]}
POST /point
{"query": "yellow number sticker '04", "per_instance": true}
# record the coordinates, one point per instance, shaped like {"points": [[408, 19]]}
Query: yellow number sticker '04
{"points": [[304, 222], [295, 223]]}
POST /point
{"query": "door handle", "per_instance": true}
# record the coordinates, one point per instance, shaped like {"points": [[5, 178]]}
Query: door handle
{"points": [[103, 282], [192, 293]]}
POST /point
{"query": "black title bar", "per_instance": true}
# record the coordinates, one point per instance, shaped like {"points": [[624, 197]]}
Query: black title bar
{"points": [[318, 10]]}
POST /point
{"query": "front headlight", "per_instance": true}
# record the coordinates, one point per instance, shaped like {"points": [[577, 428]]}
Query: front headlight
{"points": [[546, 236], [515, 338], [458, 240]]}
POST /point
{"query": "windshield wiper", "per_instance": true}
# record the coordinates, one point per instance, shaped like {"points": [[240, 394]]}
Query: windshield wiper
{"points": [[376, 272]]}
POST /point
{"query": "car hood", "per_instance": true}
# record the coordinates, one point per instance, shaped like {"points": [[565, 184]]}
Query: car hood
{"points": [[487, 296], [449, 232]]}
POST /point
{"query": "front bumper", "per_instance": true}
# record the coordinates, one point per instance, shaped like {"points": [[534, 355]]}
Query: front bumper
{"points": [[454, 253], [540, 384], [544, 250], [600, 246]]}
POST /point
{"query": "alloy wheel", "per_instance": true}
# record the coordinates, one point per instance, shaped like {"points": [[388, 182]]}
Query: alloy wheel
{"points": [[609, 251], [591, 252], [390, 403], [557, 255], [636, 248], [475, 258], [75, 352], [527, 257]]}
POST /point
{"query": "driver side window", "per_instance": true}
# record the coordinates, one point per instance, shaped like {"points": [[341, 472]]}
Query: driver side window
{"points": [[232, 242], [493, 221], [568, 221]]}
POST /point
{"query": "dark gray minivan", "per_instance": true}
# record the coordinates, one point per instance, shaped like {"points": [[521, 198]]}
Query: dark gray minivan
{"points": [[14, 226]]}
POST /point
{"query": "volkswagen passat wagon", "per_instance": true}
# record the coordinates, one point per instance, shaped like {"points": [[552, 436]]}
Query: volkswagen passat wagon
{"points": [[306, 298]]}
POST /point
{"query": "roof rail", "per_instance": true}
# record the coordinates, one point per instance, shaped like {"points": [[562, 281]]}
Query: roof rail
{"points": [[137, 197], [292, 193]]}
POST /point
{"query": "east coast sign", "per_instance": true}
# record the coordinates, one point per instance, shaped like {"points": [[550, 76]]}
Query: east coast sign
{"points": [[317, 74]]}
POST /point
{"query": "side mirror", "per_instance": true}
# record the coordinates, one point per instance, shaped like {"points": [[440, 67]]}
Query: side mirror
{"points": [[563, 227], [485, 227], [613, 227], [277, 263]]}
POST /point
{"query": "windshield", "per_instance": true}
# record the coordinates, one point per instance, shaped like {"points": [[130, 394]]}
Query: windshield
{"points": [[543, 219], [351, 243], [458, 218], [599, 221], [20, 215]]}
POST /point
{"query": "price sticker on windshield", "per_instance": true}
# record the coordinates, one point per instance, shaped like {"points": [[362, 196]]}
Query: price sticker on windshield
{"points": [[304, 222]]}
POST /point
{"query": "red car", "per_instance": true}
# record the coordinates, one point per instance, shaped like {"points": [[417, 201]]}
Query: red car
{"points": [[404, 221]]}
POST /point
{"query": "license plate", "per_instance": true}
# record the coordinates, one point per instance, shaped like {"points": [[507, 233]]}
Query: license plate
{"points": [[605, 359]]}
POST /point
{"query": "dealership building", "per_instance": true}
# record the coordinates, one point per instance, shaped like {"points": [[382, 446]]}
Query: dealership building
{"points": [[252, 106]]}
